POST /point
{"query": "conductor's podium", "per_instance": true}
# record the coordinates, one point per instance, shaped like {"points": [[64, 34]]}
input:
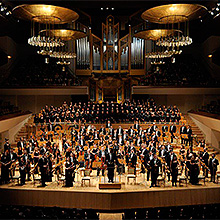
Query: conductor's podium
{"points": [[104, 184]]}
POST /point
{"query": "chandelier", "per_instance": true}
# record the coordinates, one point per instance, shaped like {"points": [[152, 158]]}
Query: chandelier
{"points": [[44, 17], [62, 55], [172, 41], [174, 16], [157, 62], [162, 54], [63, 62]]}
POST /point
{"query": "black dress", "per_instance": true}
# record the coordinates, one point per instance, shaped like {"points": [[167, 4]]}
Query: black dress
{"points": [[174, 171], [68, 175]]}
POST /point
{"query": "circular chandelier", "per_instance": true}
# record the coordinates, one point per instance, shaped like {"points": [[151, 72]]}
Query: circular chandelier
{"points": [[172, 41], [62, 55], [44, 17], [162, 54], [174, 16], [155, 62], [63, 62], [43, 41]]}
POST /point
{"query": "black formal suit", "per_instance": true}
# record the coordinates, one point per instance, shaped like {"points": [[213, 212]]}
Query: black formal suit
{"points": [[213, 166], [183, 130], [110, 160], [172, 131], [154, 164]]}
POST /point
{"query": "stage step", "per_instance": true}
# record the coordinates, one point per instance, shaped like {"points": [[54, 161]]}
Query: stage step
{"points": [[110, 216]]}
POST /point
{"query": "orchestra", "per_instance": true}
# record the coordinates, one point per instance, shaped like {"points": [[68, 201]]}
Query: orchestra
{"points": [[50, 152]]}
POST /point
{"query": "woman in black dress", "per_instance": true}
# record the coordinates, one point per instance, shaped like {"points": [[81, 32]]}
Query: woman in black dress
{"points": [[174, 170], [68, 173]]}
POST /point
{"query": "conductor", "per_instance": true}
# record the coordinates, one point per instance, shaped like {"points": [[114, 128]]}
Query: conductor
{"points": [[110, 159]]}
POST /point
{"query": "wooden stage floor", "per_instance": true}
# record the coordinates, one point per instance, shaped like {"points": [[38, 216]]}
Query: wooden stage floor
{"points": [[130, 196]]}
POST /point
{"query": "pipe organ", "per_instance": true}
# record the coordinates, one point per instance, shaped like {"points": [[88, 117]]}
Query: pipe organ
{"points": [[110, 54], [137, 53]]}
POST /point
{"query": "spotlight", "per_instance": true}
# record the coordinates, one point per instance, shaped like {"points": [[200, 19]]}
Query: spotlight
{"points": [[112, 9], [102, 9], [9, 57], [107, 8], [210, 56], [90, 28], [217, 9], [201, 20], [129, 25], [212, 13]]}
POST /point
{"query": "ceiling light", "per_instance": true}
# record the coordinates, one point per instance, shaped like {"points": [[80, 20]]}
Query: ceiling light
{"points": [[112, 9], [9, 57], [101, 8], [217, 9], [210, 56], [107, 8]]}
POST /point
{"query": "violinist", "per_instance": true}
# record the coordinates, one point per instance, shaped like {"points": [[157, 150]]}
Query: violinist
{"points": [[5, 164], [22, 169], [205, 160]]}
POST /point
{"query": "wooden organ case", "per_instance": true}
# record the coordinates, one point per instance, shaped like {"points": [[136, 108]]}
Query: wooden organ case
{"points": [[110, 61]]}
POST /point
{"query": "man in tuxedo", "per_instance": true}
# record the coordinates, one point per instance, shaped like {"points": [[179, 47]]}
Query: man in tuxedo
{"points": [[183, 130], [213, 166], [7, 145], [189, 134], [43, 163], [136, 126], [108, 124], [133, 160], [205, 159], [110, 160], [172, 132], [119, 131], [155, 163], [21, 143], [164, 130]]}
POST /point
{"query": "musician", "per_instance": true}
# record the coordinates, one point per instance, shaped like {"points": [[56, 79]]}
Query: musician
{"points": [[68, 172], [164, 130], [136, 126], [7, 146], [205, 160], [213, 166], [189, 134], [194, 170], [174, 170], [119, 131], [183, 130], [27, 160], [172, 132], [5, 164], [155, 163], [43, 163], [21, 143], [13, 158], [22, 169], [133, 160], [110, 160], [108, 124], [49, 168]]}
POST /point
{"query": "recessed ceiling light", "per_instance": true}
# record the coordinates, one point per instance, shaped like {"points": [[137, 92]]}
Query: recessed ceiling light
{"points": [[101, 8], [107, 8]]}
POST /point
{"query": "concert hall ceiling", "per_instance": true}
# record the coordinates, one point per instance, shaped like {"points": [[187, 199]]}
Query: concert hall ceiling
{"points": [[19, 30]]}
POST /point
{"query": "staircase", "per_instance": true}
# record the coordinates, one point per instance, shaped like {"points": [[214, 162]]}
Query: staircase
{"points": [[23, 132], [200, 135]]}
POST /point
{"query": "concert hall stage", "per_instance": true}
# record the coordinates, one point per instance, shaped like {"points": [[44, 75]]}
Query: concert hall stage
{"points": [[129, 197]]}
